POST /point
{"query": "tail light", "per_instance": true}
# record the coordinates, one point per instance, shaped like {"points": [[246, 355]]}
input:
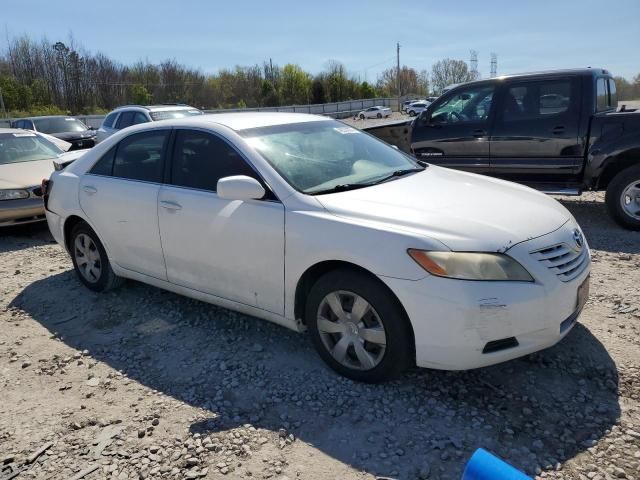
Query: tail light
{"points": [[45, 188]]}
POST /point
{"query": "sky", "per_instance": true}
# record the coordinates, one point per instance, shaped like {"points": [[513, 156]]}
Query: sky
{"points": [[210, 35]]}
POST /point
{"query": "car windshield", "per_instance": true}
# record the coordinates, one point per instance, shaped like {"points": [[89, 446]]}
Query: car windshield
{"points": [[59, 125], [25, 147], [167, 114], [315, 157]]}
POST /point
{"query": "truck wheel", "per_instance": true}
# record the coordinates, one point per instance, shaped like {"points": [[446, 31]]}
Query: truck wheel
{"points": [[623, 198]]}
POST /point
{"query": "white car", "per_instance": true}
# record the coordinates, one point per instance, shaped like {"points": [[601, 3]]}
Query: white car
{"points": [[374, 112], [125, 116], [312, 224], [416, 108]]}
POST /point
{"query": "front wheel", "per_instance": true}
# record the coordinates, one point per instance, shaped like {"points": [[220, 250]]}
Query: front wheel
{"points": [[623, 198], [379, 115], [358, 327], [90, 260]]}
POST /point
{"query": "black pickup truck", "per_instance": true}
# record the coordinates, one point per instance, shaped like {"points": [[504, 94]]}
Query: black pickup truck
{"points": [[560, 132]]}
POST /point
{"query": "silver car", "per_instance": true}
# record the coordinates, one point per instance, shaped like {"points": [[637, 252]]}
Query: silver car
{"points": [[128, 115], [26, 158]]}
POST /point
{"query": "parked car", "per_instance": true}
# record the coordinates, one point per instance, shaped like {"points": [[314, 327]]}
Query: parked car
{"points": [[128, 115], [25, 159], [558, 132], [417, 108], [431, 99], [374, 112], [69, 129], [406, 103], [462, 283]]}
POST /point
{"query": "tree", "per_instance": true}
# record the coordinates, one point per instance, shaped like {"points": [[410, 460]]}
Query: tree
{"points": [[295, 85], [140, 95], [448, 72], [317, 90], [367, 91], [410, 82]]}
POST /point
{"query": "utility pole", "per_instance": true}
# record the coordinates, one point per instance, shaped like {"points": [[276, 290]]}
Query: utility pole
{"points": [[4, 112], [398, 72]]}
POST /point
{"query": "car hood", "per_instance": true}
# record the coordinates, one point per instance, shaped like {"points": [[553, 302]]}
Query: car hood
{"points": [[464, 211], [68, 136], [28, 174]]}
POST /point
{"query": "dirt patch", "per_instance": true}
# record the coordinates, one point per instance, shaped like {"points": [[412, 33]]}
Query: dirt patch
{"points": [[143, 383]]}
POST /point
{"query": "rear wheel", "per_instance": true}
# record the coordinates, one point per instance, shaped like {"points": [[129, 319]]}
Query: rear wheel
{"points": [[623, 198], [379, 115], [412, 113], [361, 116], [358, 327], [90, 260]]}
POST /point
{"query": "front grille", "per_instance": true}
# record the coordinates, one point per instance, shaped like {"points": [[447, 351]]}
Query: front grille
{"points": [[566, 262]]}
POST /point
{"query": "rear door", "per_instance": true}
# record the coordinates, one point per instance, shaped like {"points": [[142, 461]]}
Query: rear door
{"points": [[454, 131], [535, 133], [119, 195]]}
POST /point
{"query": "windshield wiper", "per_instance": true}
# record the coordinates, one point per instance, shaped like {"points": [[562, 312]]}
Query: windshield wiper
{"points": [[397, 173], [342, 187]]}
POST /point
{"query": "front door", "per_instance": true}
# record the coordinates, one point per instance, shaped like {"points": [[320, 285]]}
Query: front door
{"points": [[454, 132], [535, 134], [119, 195], [230, 249]]}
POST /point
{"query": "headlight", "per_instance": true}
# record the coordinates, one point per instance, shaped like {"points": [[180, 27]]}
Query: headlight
{"points": [[471, 266], [13, 194]]}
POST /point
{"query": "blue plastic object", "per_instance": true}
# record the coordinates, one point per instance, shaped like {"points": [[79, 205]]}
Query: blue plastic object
{"points": [[484, 466]]}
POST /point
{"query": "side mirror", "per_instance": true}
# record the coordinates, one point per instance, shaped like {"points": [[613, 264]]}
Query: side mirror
{"points": [[240, 187]]}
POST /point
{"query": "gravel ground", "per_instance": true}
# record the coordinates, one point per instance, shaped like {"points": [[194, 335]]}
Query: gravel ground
{"points": [[142, 383]]}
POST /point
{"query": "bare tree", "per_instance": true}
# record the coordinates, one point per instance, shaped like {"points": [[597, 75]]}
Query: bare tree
{"points": [[447, 72]]}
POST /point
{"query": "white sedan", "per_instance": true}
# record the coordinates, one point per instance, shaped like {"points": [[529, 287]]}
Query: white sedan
{"points": [[314, 225], [374, 112], [416, 108]]}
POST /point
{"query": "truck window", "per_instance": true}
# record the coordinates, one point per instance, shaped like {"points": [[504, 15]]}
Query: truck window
{"points": [[469, 105], [602, 96], [613, 95], [537, 100]]}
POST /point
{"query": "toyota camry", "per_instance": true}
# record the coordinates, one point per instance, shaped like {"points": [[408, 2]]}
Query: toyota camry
{"points": [[314, 225]]}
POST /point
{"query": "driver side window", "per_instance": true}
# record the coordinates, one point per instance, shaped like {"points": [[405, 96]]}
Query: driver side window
{"points": [[467, 106]]}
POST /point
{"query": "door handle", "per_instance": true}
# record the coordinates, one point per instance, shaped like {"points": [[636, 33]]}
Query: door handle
{"points": [[171, 206], [89, 189], [558, 130], [479, 133]]}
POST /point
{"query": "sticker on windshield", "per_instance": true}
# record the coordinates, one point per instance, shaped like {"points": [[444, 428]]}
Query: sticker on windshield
{"points": [[24, 134], [346, 130]]}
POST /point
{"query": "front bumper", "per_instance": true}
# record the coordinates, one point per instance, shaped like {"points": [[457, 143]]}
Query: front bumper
{"points": [[460, 325], [20, 212]]}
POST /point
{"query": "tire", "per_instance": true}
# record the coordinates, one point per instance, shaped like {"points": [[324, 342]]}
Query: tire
{"points": [[412, 113], [383, 321], [623, 198], [361, 116], [379, 115], [90, 260]]}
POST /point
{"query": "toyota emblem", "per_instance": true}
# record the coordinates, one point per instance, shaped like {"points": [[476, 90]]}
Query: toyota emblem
{"points": [[578, 238]]}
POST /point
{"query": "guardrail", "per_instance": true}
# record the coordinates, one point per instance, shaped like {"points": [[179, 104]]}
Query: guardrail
{"points": [[335, 110]]}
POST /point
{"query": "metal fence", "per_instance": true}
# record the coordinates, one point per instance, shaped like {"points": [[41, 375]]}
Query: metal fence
{"points": [[336, 110]]}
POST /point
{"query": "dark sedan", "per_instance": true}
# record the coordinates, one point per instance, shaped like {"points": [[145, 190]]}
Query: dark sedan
{"points": [[68, 129]]}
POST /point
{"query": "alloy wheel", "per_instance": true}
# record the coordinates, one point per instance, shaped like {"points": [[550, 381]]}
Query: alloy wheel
{"points": [[351, 330], [630, 199]]}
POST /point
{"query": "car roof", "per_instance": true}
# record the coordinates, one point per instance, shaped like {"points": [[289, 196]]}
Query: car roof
{"points": [[566, 71], [245, 120], [158, 108], [43, 117]]}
